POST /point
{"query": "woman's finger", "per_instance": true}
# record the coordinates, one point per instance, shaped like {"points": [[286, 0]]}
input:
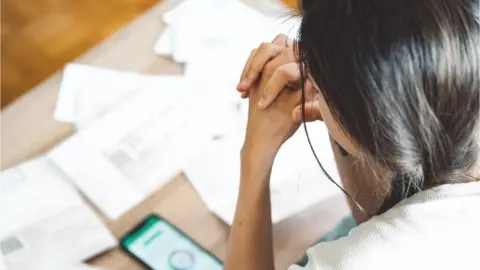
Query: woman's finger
{"points": [[264, 53], [286, 75], [246, 68]]}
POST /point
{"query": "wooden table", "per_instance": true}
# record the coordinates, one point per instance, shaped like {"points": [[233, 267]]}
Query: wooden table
{"points": [[28, 130]]}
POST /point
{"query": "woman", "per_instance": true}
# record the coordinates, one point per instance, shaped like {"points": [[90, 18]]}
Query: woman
{"points": [[397, 85]]}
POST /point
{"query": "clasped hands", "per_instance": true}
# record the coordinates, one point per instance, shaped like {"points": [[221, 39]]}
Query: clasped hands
{"points": [[271, 81]]}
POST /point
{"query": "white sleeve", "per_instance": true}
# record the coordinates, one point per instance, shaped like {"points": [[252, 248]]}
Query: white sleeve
{"points": [[425, 231]]}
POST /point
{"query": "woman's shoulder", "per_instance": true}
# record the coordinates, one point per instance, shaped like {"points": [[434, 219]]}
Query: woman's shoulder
{"points": [[430, 230]]}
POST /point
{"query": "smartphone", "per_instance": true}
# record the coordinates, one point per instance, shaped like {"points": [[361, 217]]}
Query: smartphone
{"points": [[159, 245]]}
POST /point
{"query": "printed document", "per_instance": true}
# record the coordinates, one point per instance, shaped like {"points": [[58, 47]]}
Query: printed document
{"points": [[44, 223], [123, 157]]}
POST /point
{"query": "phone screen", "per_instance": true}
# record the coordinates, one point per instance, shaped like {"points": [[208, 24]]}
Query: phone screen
{"points": [[160, 246]]}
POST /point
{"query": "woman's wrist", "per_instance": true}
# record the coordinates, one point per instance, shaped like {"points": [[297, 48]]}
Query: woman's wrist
{"points": [[256, 163], [258, 155]]}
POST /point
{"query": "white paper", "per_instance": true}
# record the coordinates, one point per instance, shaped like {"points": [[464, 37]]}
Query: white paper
{"points": [[297, 181], [193, 25], [44, 222], [163, 45], [216, 73], [87, 93], [122, 158]]}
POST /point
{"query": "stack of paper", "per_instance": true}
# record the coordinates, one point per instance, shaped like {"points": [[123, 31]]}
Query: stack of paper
{"points": [[42, 216]]}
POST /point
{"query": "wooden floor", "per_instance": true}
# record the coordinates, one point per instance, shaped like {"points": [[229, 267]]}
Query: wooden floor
{"points": [[40, 36]]}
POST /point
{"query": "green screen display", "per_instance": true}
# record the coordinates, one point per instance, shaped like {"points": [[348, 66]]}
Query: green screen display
{"points": [[162, 247]]}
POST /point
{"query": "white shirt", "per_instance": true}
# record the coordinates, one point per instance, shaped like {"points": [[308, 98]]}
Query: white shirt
{"points": [[434, 229]]}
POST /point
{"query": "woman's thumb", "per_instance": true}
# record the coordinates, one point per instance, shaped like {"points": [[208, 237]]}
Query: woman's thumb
{"points": [[312, 112]]}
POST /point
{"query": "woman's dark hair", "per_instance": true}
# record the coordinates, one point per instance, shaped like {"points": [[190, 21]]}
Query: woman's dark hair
{"points": [[402, 77]]}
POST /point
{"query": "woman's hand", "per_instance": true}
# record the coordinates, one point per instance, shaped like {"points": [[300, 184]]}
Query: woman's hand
{"points": [[277, 62], [267, 57], [268, 128]]}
